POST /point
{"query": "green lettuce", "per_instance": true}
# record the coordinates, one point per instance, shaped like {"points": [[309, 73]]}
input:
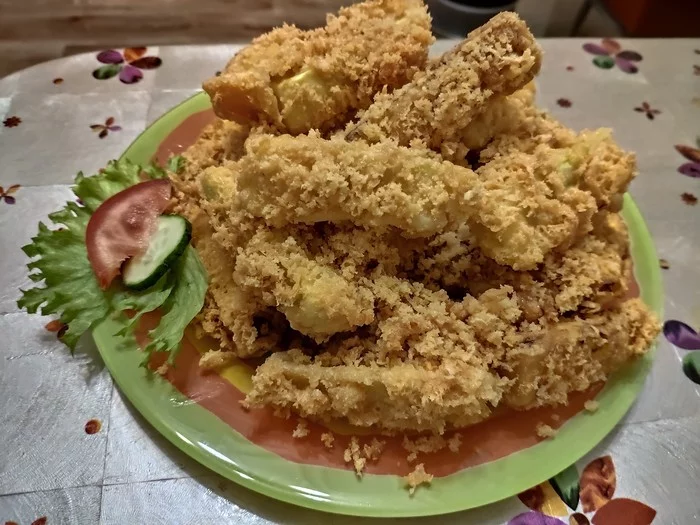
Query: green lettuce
{"points": [[66, 285]]}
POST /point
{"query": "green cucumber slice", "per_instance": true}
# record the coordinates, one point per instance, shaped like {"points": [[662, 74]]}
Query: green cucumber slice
{"points": [[170, 239]]}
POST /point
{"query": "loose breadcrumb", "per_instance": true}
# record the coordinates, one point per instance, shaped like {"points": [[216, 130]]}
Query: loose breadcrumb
{"points": [[281, 412], [373, 450], [418, 477], [327, 439], [353, 454], [591, 405], [423, 444], [301, 431], [545, 431], [454, 443], [215, 360], [163, 369]]}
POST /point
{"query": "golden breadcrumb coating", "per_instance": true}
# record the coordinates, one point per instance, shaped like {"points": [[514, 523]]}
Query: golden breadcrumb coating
{"points": [[594, 163], [285, 277], [308, 179], [592, 273], [419, 369], [590, 160], [218, 142], [423, 445], [455, 442], [436, 384], [519, 207], [529, 127], [499, 116], [437, 106], [589, 276], [455, 251], [300, 80], [353, 454], [572, 355], [526, 209], [373, 450]]}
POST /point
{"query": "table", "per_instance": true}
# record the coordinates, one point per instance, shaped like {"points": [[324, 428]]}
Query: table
{"points": [[59, 119]]}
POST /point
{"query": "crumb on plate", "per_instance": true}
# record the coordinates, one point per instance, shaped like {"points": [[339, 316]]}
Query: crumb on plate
{"points": [[215, 360], [353, 454], [301, 431], [545, 431], [327, 439], [424, 445], [454, 443], [418, 477], [591, 405], [374, 449]]}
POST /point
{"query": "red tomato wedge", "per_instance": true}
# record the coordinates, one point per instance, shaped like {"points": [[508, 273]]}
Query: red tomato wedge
{"points": [[122, 226]]}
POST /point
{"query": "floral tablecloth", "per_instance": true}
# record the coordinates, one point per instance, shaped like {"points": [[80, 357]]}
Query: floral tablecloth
{"points": [[72, 449]]}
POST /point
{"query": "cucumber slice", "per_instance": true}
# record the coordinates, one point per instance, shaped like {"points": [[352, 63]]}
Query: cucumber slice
{"points": [[170, 239]]}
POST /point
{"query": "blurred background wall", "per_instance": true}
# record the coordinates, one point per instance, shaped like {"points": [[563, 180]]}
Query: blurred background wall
{"points": [[33, 31]]}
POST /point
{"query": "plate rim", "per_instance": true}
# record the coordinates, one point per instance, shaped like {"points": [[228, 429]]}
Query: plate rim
{"points": [[427, 501]]}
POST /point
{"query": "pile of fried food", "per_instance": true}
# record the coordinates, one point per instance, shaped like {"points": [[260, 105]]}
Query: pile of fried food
{"points": [[409, 243]]}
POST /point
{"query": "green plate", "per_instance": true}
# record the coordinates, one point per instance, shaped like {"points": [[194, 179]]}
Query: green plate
{"points": [[212, 442]]}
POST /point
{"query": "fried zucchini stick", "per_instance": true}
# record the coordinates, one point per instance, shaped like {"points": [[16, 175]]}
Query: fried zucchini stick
{"points": [[420, 372], [590, 160], [518, 212], [438, 105], [528, 368], [299, 80], [572, 355], [526, 209], [306, 179], [500, 117], [315, 298]]}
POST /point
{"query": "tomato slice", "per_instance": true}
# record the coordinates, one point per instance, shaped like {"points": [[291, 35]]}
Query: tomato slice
{"points": [[122, 225]]}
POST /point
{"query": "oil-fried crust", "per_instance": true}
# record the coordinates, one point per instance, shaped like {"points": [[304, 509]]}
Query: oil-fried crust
{"points": [[274, 267], [375, 381], [307, 179], [519, 206], [437, 106], [463, 359], [591, 275], [571, 355], [500, 116], [299, 80], [590, 159], [495, 279]]}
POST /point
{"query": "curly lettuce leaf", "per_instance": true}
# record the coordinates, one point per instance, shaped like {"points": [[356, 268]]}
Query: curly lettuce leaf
{"points": [[66, 284], [176, 163], [117, 176], [181, 306], [141, 302], [69, 288]]}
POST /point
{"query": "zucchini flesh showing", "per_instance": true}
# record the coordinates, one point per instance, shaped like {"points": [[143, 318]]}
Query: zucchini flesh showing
{"points": [[167, 243]]}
